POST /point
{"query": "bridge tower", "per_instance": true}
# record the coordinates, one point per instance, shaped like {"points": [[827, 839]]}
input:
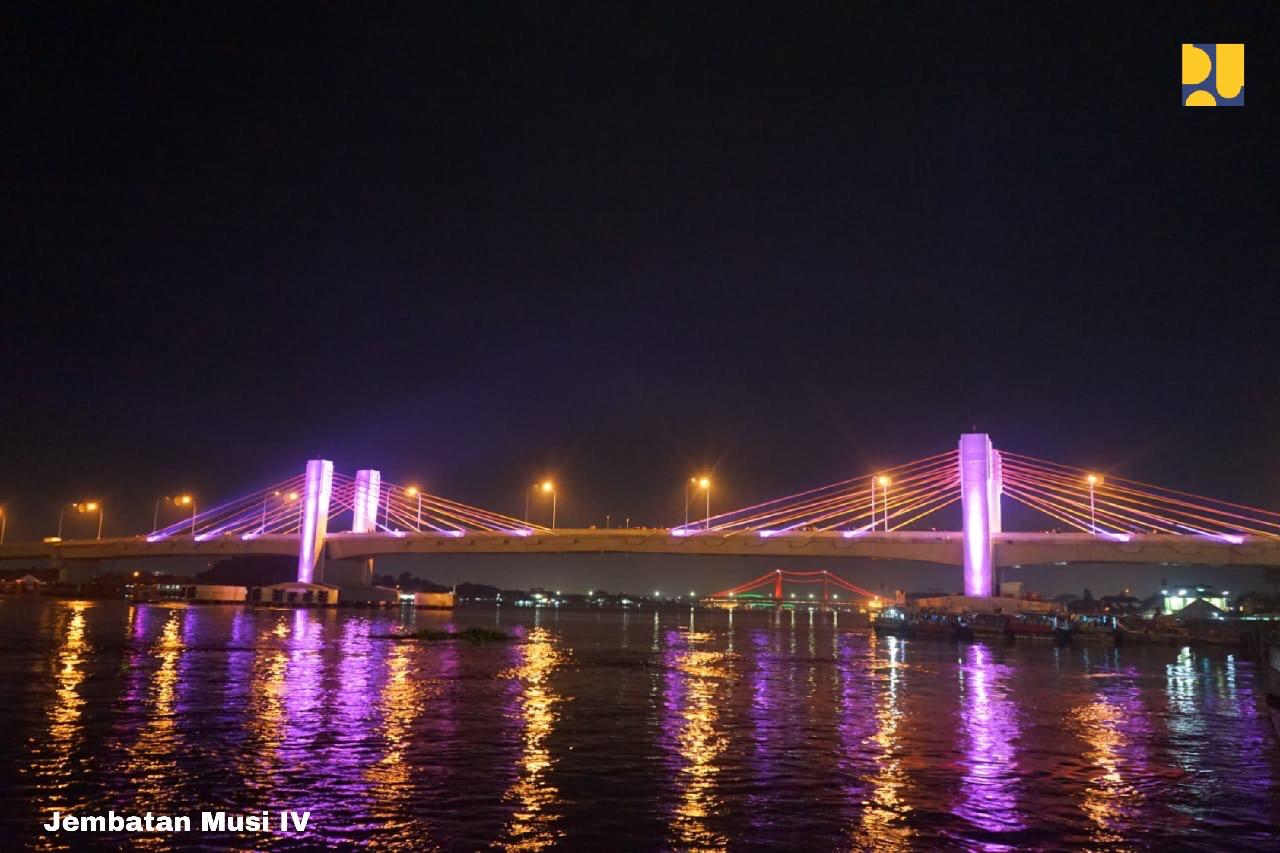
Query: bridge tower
{"points": [[367, 495], [980, 489], [317, 490], [364, 519]]}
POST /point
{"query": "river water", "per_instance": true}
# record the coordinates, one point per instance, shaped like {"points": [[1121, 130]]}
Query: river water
{"points": [[621, 730]]}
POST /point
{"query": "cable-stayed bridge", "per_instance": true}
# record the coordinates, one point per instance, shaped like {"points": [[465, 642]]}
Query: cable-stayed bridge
{"points": [[325, 515]]}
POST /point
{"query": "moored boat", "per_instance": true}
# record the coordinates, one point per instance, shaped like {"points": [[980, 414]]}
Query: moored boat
{"points": [[892, 622], [1094, 629], [941, 626], [1037, 626], [1158, 630], [990, 626]]}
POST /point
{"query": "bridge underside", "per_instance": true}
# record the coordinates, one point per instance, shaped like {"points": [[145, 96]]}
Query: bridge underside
{"points": [[946, 548]]}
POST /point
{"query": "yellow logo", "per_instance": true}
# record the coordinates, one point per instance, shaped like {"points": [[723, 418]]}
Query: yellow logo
{"points": [[1213, 75]]}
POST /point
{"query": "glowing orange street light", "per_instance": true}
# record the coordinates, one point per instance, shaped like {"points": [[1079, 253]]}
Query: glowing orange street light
{"points": [[183, 500], [549, 487], [703, 483], [883, 481], [82, 507], [414, 491]]}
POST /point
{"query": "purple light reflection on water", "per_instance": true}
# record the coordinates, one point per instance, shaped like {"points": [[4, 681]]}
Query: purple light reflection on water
{"points": [[856, 724], [150, 761], [989, 722], [306, 726], [767, 712]]}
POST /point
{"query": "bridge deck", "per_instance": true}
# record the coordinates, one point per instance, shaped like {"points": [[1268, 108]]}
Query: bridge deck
{"points": [[932, 547]]}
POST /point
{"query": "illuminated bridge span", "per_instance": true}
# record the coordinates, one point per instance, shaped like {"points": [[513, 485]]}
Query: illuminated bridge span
{"points": [[873, 516], [772, 583]]}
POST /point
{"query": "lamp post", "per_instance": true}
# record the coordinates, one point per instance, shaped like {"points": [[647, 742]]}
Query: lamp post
{"points": [[548, 487], [4, 520], [81, 507], [180, 500], [1093, 480], [873, 504], [287, 497], [414, 491], [703, 483], [884, 501], [188, 499]]}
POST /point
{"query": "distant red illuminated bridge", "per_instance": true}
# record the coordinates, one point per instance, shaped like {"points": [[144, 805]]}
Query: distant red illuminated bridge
{"points": [[771, 584], [1115, 520]]}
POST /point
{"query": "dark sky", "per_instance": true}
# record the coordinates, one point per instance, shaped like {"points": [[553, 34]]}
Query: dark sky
{"points": [[623, 243]]}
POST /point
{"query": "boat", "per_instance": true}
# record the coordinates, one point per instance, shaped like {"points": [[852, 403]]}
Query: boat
{"points": [[1158, 630], [892, 622], [1037, 626], [1092, 628], [990, 626], [941, 626]]}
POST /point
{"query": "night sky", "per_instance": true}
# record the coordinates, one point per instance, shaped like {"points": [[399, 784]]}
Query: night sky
{"points": [[625, 243]]}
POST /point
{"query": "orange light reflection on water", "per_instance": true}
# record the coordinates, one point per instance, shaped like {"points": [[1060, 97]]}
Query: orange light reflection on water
{"points": [[152, 760], [533, 824], [883, 825], [699, 743], [51, 760]]}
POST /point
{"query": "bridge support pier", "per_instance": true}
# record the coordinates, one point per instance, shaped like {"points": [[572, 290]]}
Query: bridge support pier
{"points": [[980, 489], [317, 490]]}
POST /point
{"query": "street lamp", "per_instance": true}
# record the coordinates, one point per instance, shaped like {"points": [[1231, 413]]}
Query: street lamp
{"points": [[180, 500], [82, 507], [883, 482], [703, 483], [414, 491], [549, 488], [287, 497], [1093, 480]]}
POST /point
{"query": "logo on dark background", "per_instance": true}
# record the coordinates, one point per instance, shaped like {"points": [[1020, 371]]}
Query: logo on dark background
{"points": [[1213, 75]]}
